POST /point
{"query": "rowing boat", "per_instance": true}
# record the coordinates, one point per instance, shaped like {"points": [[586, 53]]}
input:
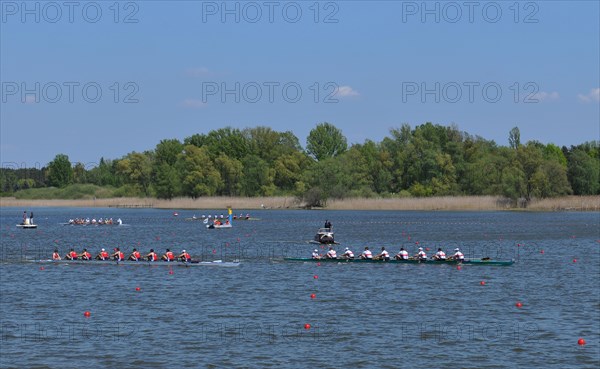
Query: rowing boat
{"points": [[193, 263], [410, 261]]}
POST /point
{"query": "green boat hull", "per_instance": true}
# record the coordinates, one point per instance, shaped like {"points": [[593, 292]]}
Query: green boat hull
{"points": [[410, 261]]}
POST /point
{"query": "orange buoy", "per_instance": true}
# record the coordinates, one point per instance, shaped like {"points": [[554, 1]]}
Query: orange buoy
{"points": [[306, 326], [519, 304], [87, 314], [482, 283], [312, 296], [581, 342], [316, 276]]}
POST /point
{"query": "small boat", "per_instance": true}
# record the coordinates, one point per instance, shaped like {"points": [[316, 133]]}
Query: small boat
{"points": [[27, 226], [218, 226], [324, 236], [484, 261], [193, 263]]}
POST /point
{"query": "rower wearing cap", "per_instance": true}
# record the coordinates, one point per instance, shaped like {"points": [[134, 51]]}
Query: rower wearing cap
{"points": [[103, 255], [402, 254], [348, 254], [184, 256], [72, 255], [85, 255], [383, 255], [331, 254], [118, 255], [152, 256], [458, 255], [135, 255], [366, 254], [421, 255], [439, 255], [315, 254], [56, 255], [168, 256]]}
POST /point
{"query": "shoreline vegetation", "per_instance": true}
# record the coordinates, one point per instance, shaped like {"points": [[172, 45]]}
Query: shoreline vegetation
{"points": [[439, 203]]}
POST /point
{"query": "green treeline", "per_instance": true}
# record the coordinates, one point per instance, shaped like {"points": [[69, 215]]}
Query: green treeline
{"points": [[429, 160]]}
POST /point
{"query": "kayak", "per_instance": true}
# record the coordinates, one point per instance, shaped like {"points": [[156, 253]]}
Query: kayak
{"points": [[218, 263], [410, 261]]}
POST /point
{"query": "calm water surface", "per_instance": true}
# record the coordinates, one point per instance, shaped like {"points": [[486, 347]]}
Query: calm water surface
{"points": [[410, 316]]}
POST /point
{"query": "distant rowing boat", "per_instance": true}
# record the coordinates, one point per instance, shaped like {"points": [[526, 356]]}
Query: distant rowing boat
{"points": [[217, 263], [410, 261]]}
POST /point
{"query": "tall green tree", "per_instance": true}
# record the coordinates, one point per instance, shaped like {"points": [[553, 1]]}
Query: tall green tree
{"points": [[60, 171], [200, 178], [325, 141], [583, 173], [514, 138]]}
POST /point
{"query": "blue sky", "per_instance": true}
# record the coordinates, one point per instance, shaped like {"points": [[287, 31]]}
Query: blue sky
{"points": [[172, 69]]}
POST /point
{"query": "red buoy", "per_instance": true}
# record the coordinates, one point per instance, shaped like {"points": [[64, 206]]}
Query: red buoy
{"points": [[458, 267], [482, 283], [319, 264], [138, 289], [541, 251], [306, 326], [170, 272], [574, 260], [581, 342], [519, 304], [312, 296], [316, 276], [427, 249], [41, 268], [87, 314]]}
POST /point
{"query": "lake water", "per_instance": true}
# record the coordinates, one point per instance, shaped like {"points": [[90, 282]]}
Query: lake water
{"points": [[389, 316]]}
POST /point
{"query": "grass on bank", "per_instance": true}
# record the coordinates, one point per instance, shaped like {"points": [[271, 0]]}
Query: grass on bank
{"points": [[72, 192]]}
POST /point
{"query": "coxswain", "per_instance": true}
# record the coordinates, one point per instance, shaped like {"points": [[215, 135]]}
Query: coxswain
{"points": [[72, 255], [118, 255], [366, 254], [85, 255], [103, 255], [383, 255], [440, 255], [315, 254], [152, 256], [348, 254], [331, 254], [56, 255], [184, 256], [135, 255], [168, 256], [421, 255], [458, 255], [402, 254]]}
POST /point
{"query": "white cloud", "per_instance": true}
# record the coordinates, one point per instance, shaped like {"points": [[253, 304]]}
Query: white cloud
{"points": [[346, 91], [544, 96], [592, 96], [197, 72], [193, 103]]}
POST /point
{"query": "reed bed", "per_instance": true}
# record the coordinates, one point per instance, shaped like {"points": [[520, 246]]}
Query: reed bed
{"points": [[468, 203]]}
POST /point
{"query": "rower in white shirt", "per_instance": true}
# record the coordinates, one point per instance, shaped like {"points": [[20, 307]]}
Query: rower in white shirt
{"points": [[331, 254], [440, 255], [421, 255], [458, 255], [383, 255], [402, 255], [348, 254], [315, 254], [366, 254]]}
